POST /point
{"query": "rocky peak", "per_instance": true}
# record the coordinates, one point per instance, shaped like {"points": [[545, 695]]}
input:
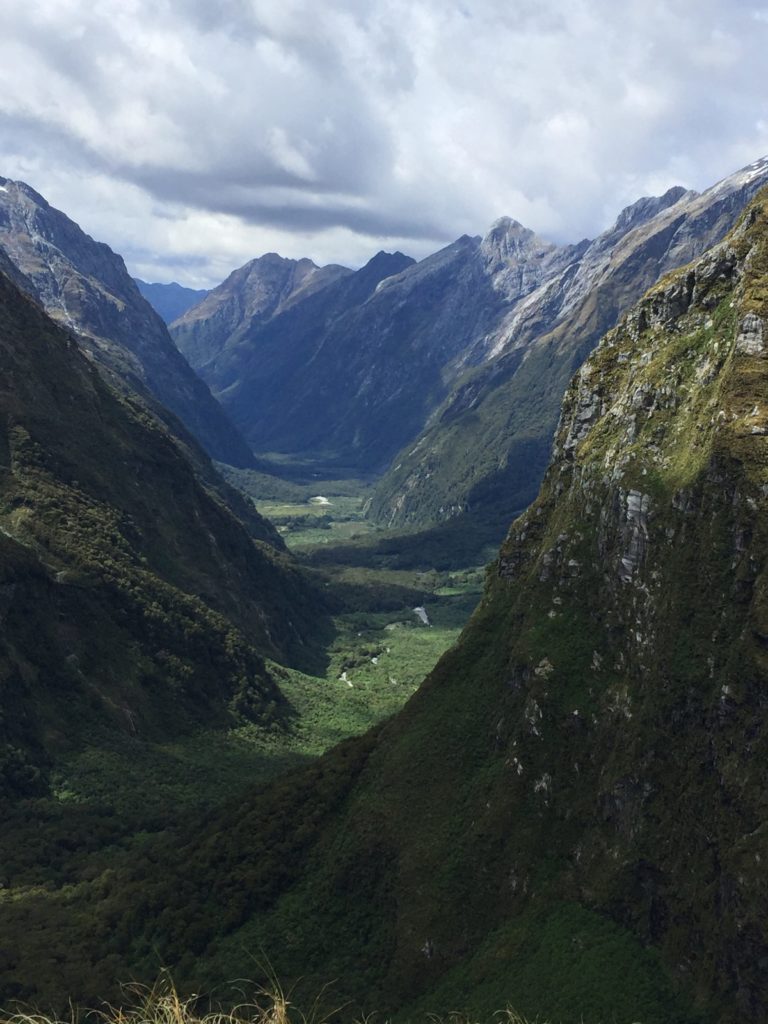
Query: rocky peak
{"points": [[258, 291], [517, 260], [393, 262], [648, 207], [508, 240]]}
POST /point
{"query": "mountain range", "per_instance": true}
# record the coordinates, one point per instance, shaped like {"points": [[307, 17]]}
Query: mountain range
{"points": [[569, 814], [442, 378]]}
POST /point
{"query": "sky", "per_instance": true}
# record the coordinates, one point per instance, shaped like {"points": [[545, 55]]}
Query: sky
{"points": [[194, 135]]}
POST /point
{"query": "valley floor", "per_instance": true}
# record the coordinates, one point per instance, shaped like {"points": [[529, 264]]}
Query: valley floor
{"points": [[390, 626]]}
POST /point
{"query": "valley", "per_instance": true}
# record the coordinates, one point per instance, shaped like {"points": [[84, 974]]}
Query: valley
{"points": [[416, 643], [377, 651]]}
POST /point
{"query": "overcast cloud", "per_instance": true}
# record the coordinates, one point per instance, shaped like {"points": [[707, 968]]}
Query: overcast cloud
{"points": [[192, 135]]}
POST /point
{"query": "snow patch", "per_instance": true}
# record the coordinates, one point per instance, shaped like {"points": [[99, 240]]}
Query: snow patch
{"points": [[421, 614], [319, 500]]}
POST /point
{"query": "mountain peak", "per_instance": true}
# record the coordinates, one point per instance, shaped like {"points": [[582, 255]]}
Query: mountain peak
{"points": [[645, 208], [386, 264], [508, 225], [85, 287]]}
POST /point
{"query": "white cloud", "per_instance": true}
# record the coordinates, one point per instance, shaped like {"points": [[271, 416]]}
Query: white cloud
{"points": [[193, 135]]}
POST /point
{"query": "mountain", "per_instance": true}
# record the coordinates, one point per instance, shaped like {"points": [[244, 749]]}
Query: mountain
{"points": [[568, 817], [352, 372], [170, 300], [254, 293], [85, 286], [446, 377], [485, 448], [132, 599], [298, 377]]}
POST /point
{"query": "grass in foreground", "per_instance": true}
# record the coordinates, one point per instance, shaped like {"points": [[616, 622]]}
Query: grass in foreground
{"points": [[162, 1004]]}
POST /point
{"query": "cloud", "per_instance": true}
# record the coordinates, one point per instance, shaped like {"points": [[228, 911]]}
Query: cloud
{"points": [[193, 135]]}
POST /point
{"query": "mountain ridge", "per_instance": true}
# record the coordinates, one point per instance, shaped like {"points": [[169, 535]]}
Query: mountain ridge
{"points": [[170, 300], [84, 285], [485, 448], [132, 599]]}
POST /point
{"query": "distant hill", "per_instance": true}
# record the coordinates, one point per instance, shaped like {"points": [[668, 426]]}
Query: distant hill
{"points": [[169, 300]]}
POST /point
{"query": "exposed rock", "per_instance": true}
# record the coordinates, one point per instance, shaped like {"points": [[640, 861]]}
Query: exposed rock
{"points": [[750, 338]]}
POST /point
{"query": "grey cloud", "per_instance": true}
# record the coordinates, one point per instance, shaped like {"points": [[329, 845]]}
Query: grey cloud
{"points": [[390, 119]]}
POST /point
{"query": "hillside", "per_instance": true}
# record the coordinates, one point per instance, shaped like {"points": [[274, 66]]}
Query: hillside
{"points": [[530, 829], [133, 600]]}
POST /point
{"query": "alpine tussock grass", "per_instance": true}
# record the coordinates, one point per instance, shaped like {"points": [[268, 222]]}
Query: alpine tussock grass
{"points": [[161, 1004]]}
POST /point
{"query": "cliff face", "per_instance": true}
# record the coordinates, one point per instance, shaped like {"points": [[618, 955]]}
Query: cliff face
{"points": [[86, 288], [485, 449], [569, 815]]}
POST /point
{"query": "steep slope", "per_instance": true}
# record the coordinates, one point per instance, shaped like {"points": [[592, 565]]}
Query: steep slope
{"points": [[569, 816], [85, 286], [485, 449], [305, 381], [131, 597], [261, 289], [170, 300]]}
